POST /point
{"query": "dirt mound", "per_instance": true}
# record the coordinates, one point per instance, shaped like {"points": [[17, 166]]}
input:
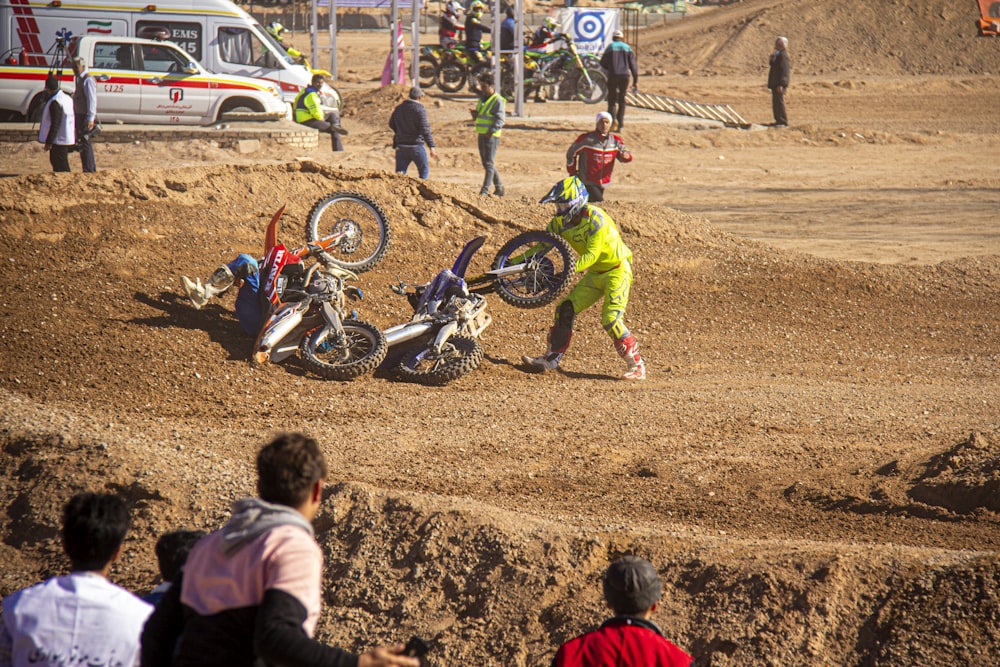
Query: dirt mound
{"points": [[480, 514], [853, 36]]}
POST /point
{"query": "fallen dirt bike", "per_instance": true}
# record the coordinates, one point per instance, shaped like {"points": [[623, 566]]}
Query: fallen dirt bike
{"points": [[449, 312], [305, 307]]}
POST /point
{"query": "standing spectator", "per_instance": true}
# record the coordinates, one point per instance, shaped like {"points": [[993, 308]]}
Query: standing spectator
{"points": [[56, 130], [607, 263], [250, 593], [619, 62], [85, 104], [777, 81], [172, 550], [508, 30], [82, 613], [592, 156], [630, 639], [489, 116], [309, 111], [412, 131]]}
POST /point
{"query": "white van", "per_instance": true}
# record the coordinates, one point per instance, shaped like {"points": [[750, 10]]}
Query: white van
{"points": [[219, 35]]}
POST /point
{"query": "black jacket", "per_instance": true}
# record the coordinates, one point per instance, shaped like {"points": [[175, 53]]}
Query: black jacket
{"points": [[409, 122], [780, 71]]}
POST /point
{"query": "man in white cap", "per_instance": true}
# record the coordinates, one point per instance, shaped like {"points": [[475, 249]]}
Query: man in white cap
{"points": [[592, 156], [632, 589], [619, 62]]}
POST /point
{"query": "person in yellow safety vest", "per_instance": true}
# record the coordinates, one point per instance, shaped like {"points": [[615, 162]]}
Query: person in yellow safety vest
{"points": [[489, 116], [309, 111]]}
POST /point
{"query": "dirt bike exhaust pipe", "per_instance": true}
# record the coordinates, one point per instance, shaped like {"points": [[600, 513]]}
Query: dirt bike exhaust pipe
{"points": [[280, 326], [402, 333]]}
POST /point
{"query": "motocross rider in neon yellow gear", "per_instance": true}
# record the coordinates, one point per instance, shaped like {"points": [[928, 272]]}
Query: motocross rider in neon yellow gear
{"points": [[607, 263]]}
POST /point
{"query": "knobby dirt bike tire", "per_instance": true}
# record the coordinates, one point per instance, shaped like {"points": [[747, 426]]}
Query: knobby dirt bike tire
{"points": [[459, 356], [363, 216], [428, 71], [594, 92], [474, 72], [367, 349], [451, 76], [547, 282]]}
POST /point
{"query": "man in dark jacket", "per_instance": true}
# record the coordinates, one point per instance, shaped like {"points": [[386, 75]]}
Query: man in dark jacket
{"points": [[250, 593], [474, 29], [619, 62], [412, 132], [632, 589], [777, 80], [85, 107]]}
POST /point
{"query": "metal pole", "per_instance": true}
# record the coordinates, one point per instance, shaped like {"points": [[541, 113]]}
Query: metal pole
{"points": [[415, 43], [313, 44], [393, 30], [333, 38], [495, 46], [519, 58]]}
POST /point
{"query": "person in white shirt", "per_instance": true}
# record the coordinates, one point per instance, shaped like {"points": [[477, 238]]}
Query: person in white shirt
{"points": [[57, 129], [78, 618]]}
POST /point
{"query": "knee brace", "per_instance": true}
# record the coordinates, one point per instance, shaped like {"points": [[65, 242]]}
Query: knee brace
{"points": [[562, 331]]}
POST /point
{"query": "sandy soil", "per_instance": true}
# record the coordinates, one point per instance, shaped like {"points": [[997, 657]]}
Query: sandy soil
{"points": [[813, 463]]}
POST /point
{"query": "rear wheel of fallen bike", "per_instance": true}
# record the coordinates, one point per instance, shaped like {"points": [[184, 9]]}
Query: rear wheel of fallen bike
{"points": [[361, 220], [360, 352], [547, 272], [459, 356]]}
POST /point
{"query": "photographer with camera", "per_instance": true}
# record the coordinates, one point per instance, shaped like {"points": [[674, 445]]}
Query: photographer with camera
{"points": [[85, 104]]}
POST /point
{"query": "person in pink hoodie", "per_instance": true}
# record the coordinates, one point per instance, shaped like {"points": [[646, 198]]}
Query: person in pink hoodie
{"points": [[250, 593]]}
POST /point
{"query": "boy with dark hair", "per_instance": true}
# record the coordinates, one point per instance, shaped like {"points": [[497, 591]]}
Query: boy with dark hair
{"points": [[172, 550], [632, 589], [250, 593], [82, 613]]}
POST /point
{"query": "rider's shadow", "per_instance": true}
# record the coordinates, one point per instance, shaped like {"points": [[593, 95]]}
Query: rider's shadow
{"points": [[220, 323], [520, 366]]}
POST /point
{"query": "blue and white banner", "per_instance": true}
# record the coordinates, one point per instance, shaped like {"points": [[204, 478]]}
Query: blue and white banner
{"points": [[590, 28]]}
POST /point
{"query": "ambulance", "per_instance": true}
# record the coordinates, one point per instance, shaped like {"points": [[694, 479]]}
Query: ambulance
{"points": [[220, 36]]}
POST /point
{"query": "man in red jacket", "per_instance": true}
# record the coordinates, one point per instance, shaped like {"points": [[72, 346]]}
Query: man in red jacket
{"points": [[592, 156], [629, 639]]}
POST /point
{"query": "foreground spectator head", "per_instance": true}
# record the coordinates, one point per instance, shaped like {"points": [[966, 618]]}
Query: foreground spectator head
{"points": [[172, 550], [94, 527], [631, 586], [288, 468]]}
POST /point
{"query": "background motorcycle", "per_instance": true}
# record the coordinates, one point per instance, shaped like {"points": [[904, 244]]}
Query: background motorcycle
{"points": [[449, 312]]}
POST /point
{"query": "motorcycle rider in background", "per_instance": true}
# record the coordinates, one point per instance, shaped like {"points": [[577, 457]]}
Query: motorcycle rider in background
{"points": [[545, 35], [450, 25], [474, 29], [607, 262]]}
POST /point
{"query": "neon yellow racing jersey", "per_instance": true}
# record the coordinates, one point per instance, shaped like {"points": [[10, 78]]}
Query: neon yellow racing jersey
{"points": [[595, 239]]}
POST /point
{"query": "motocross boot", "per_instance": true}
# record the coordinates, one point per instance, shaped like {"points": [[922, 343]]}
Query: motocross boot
{"points": [[217, 283], [628, 349], [550, 360]]}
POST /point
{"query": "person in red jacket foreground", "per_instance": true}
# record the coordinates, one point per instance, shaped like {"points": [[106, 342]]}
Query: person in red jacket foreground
{"points": [[592, 156], [629, 639]]}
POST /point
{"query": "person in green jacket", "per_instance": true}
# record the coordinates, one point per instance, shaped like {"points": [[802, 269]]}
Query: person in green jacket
{"points": [[606, 263], [309, 111], [489, 116]]}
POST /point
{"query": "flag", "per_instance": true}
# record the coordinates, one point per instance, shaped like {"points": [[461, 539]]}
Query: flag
{"points": [[401, 60]]}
